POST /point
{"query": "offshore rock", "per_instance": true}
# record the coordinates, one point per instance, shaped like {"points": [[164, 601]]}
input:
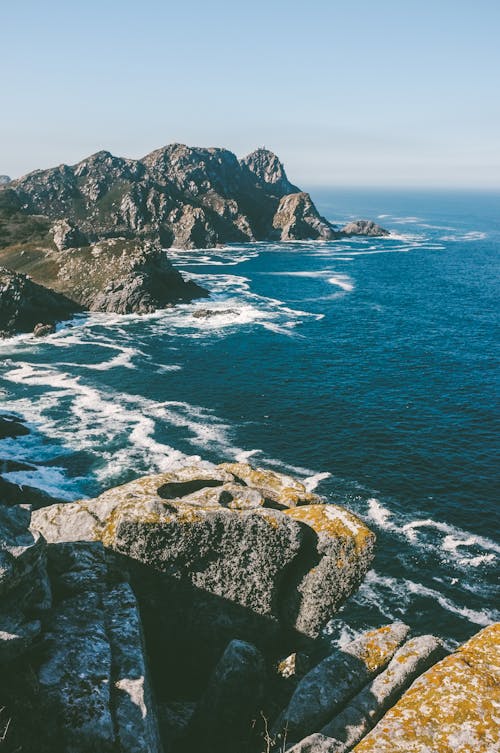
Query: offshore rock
{"points": [[24, 304], [12, 426], [452, 707], [335, 680], [365, 710], [42, 330], [364, 227]]}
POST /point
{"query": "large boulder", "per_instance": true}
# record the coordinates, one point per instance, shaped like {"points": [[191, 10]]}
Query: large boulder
{"points": [[340, 550], [452, 707], [328, 687], [210, 542]]}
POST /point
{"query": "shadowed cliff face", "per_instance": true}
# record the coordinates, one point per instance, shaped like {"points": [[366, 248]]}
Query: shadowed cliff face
{"points": [[183, 196]]}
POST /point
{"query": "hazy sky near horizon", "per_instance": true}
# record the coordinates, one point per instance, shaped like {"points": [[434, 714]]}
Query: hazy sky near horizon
{"points": [[347, 92]]}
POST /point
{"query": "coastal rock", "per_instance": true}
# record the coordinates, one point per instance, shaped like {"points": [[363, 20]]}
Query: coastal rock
{"points": [[328, 687], [210, 313], [93, 680], [317, 743], [24, 304], [451, 707], [12, 426], [298, 219], [277, 488], [340, 556], [368, 707], [232, 698], [207, 540], [66, 235], [364, 227], [42, 330], [12, 493], [123, 277], [24, 591]]}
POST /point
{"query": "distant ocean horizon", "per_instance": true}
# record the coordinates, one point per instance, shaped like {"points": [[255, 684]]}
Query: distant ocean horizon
{"points": [[366, 366]]}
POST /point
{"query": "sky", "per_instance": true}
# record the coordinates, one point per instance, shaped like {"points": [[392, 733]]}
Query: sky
{"points": [[346, 92]]}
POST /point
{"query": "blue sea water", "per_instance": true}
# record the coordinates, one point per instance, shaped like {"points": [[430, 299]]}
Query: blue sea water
{"points": [[366, 366]]}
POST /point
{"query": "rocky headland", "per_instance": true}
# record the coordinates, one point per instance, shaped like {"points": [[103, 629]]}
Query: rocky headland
{"points": [[185, 611], [96, 232]]}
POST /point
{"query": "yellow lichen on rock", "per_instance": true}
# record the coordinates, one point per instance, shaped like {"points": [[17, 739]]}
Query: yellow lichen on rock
{"points": [[280, 488], [453, 707], [334, 521]]}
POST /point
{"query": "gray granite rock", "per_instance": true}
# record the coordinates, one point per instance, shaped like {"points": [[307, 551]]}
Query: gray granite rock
{"points": [[328, 687], [94, 684], [297, 218], [317, 743], [233, 697], [368, 707], [208, 541]]}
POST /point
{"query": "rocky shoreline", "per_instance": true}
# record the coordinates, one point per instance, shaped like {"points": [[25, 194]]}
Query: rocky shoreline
{"points": [[95, 233], [185, 611]]}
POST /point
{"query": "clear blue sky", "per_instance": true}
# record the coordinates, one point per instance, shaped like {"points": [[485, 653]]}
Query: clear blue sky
{"points": [[347, 92]]}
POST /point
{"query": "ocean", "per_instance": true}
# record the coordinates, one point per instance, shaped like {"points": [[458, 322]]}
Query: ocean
{"points": [[366, 366]]}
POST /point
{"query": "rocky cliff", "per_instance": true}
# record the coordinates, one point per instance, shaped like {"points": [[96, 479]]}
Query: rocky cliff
{"points": [[94, 232]]}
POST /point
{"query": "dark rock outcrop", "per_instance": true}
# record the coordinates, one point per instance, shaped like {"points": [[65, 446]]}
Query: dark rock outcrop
{"points": [[11, 426], [231, 700], [24, 304], [117, 275], [298, 219], [4, 179], [364, 227]]}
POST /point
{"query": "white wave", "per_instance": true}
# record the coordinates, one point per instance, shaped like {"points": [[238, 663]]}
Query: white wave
{"points": [[454, 536], [50, 479], [342, 281], [245, 455], [380, 515], [393, 597], [312, 482], [472, 235]]}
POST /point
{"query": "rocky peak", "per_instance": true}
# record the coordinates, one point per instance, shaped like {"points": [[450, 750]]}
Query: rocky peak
{"points": [[269, 170], [195, 170]]}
